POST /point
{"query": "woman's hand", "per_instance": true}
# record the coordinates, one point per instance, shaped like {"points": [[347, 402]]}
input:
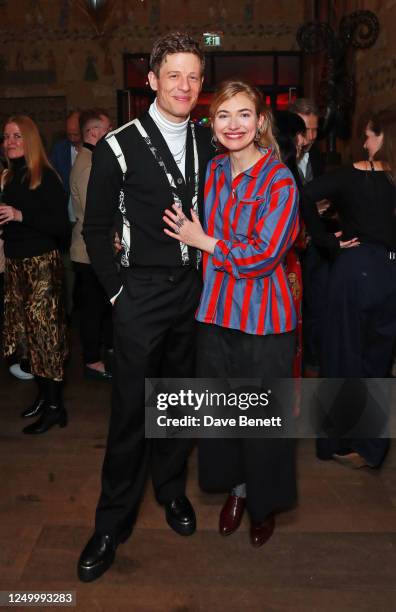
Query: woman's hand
{"points": [[189, 232], [347, 244], [322, 206], [9, 213]]}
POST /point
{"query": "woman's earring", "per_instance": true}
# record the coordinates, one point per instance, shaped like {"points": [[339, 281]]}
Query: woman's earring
{"points": [[214, 142], [258, 135]]}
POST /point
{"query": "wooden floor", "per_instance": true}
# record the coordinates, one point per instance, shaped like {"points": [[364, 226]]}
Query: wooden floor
{"points": [[336, 551]]}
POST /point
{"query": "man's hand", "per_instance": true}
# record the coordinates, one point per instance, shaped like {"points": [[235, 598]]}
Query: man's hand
{"points": [[9, 213]]}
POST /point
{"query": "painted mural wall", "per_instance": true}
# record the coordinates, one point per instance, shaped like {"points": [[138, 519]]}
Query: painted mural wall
{"points": [[376, 68], [50, 47]]}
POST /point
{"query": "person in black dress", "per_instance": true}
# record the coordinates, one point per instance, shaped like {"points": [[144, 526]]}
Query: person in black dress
{"points": [[360, 322]]}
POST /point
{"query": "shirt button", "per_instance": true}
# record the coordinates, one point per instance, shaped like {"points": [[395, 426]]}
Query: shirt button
{"points": [[179, 181], [171, 279]]}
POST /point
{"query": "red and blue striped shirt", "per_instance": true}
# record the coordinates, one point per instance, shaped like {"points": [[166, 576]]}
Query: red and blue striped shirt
{"points": [[255, 218]]}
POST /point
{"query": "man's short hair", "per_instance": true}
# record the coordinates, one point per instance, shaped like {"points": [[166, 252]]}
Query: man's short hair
{"points": [[175, 42], [92, 114], [73, 113], [304, 106]]}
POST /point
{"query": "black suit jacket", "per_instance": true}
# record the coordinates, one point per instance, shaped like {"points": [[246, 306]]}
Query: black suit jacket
{"points": [[316, 160], [147, 195]]}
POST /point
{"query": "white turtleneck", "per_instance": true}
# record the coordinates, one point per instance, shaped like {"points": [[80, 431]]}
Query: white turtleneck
{"points": [[175, 134]]}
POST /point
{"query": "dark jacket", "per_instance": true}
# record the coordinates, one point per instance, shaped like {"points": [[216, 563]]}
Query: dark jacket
{"points": [[61, 159], [147, 195], [316, 160]]}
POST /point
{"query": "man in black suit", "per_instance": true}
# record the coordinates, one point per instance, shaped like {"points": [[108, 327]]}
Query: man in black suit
{"points": [[315, 263], [141, 169], [308, 157]]}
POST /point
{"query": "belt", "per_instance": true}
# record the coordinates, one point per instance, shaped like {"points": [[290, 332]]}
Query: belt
{"points": [[380, 248], [162, 269]]}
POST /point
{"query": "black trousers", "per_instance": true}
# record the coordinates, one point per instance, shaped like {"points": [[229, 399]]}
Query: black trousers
{"points": [[315, 269], [360, 331], [267, 466], [95, 314], [154, 336]]}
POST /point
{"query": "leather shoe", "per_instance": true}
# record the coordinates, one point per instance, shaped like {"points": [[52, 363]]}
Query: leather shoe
{"points": [[260, 533], [180, 516], [51, 416], [352, 460], [93, 374], [35, 409], [97, 556], [231, 514]]}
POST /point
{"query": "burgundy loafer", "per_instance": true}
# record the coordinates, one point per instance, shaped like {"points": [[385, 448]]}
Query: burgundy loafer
{"points": [[231, 514], [260, 533]]}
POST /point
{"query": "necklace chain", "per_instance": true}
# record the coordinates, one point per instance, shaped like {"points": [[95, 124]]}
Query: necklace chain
{"points": [[179, 156]]}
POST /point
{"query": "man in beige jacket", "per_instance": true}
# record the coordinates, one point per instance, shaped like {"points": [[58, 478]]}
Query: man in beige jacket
{"points": [[95, 308]]}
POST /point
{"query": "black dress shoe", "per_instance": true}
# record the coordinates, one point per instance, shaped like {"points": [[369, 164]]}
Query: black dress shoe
{"points": [[35, 409], [51, 416], [96, 374], [180, 516], [97, 557], [40, 402]]}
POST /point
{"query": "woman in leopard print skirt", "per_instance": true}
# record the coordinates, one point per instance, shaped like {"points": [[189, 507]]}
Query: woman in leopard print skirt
{"points": [[33, 215]]}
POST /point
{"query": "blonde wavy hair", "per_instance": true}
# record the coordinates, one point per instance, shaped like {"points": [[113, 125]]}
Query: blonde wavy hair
{"points": [[35, 155], [229, 89]]}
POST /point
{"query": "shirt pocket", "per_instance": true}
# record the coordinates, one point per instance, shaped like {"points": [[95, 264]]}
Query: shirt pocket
{"points": [[246, 217]]}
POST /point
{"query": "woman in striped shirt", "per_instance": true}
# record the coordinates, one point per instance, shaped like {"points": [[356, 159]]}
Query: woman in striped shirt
{"points": [[246, 312]]}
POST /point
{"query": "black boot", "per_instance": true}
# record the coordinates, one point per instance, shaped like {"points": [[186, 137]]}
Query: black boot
{"points": [[39, 403], [54, 412]]}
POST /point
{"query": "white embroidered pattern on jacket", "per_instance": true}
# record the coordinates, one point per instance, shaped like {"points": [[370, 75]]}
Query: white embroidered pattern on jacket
{"points": [[126, 231], [126, 227]]}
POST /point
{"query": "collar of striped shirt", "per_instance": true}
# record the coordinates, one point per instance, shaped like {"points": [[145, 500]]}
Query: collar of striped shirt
{"points": [[224, 161]]}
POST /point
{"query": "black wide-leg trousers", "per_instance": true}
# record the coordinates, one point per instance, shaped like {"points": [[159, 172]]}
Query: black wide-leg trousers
{"points": [[154, 336], [315, 270], [95, 314], [360, 331], [267, 466]]}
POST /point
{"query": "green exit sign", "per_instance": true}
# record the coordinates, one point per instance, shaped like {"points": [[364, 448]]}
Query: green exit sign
{"points": [[212, 39]]}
